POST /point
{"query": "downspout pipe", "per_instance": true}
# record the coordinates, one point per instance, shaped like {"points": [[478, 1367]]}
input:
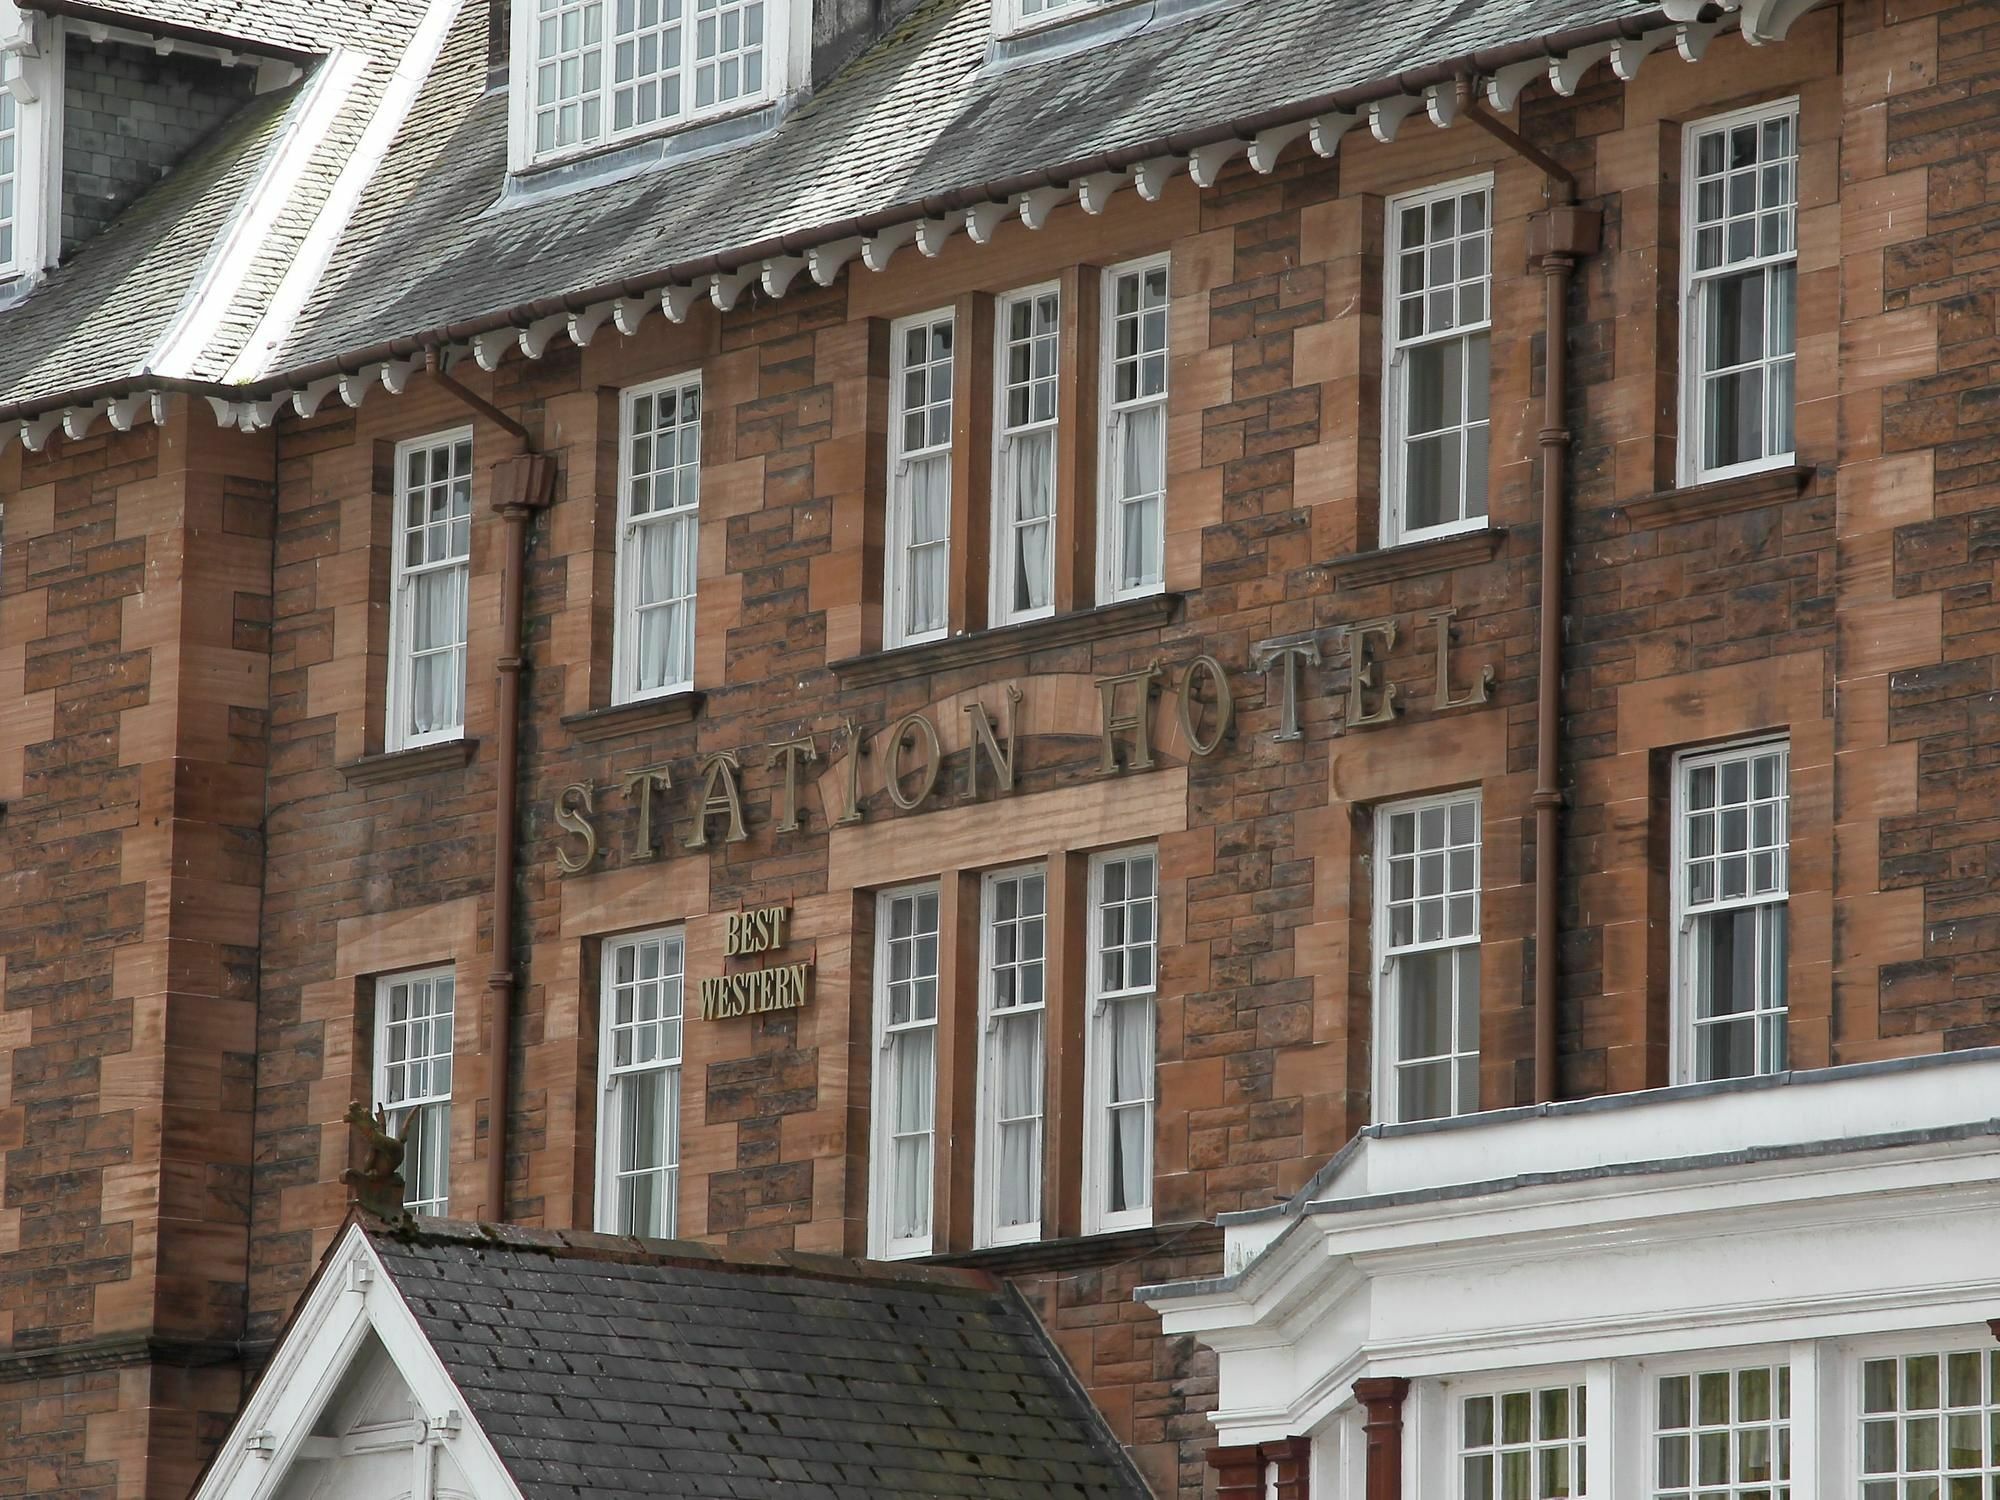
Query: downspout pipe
{"points": [[522, 485], [1558, 237]]}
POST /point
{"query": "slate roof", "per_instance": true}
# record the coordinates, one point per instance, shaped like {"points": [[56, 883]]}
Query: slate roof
{"points": [[99, 321], [289, 26], [921, 115], [930, 113], [607, 1369]]}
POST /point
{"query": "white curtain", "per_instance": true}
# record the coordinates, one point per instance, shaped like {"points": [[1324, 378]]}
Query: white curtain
{"points": [[437, 650], [1031, 486], [1130, 1167], [1142, 482], [929, 488], [663, 591], [1017, 1169], [428, 1150], [915, 1057]]}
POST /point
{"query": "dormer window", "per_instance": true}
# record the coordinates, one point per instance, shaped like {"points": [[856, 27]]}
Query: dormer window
{"points": [[30, 77], [1012, 17], [593, 73]]}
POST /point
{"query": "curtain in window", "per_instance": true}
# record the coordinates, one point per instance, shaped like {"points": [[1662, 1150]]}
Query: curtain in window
{"points": [[437, 650], [910, 1168], [649, 1111], [929, 487], [1017, 1169], [1129, 1174], [1142, 457], [663, 590], [1031, 485], [426, 1155]]}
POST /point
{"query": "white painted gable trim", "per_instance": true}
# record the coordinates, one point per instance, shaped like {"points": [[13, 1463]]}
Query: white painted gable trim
{"points": [[178, 351], [355, 1296], [302, 277]]}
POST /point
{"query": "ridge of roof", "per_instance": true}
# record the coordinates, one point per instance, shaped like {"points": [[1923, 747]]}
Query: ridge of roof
{"points": [[633, 1250]]}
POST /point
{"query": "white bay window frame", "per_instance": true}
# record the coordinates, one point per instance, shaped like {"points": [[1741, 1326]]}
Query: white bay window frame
{"points": [[1739, 292], [916, 589], [642, 1018], [432, 579], [1132, 500], [31, 128], [1731, 886], [903, 1113], [587, 74], [1427, 872], [1013, 1015], [1437, 321], [415, 1028], [1120, 1042], [1522, 1435], [1027, 346], [659, 534]]}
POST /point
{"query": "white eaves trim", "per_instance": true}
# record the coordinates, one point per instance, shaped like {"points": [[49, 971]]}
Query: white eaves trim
{"points": [[179, 349], [354, 1296], [302, 276]]}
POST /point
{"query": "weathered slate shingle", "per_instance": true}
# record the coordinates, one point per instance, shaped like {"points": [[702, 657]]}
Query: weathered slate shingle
{"points": [[608, 1369]]}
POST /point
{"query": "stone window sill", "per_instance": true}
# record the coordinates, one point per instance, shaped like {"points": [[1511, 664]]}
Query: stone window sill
{"points": [[1083, 1251], [397, 765], [629, 718], [878, 667], [1722, 497], [1441, 554]]}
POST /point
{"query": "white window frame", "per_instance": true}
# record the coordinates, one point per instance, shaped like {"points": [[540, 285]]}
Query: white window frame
{"points": [[1004, 567], [625, 634], [896, 541], [786, 70], [611, 1169], [1847, 1394], [1394, 365], [1110, 505], [33, 78], [1693, 315], [397, 733], [988, 1231], [1448, 1410], [1733, 1362], [1100, 1041], [1388, 1061], [437, 1105], [881, 1244], [1684, 1049], [1016, 18]]}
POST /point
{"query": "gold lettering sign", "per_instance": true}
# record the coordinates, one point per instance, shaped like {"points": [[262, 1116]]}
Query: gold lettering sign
{"points": [[786, 987], [755, 931]]}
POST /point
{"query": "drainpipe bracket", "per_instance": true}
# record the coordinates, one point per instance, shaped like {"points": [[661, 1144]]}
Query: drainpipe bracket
{"points": [[1564, 229], [525, 482]]}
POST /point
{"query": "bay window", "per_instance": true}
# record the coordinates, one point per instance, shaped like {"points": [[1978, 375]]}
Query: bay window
{"points": [[1132, 511], [1724, 1435], [658, 535], [1739, 292], [1731, 869], [594, 72], [1438, 315], [1013, 1006], [1427, 938], [641, 1008], [1123, 979], [916, 591], [413, 1049], [32, 58], [427, 610], [1930, 1425], [1524, 1444], [905, 1093], [1024, 455]]}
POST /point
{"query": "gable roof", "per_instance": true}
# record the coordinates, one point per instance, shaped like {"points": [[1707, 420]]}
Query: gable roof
{"points": [[609, 1369]]}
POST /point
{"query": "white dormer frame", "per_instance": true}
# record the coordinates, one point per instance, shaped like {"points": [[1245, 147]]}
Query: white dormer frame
{"points": [[31, 75], [787, 71], [1021, 17]]}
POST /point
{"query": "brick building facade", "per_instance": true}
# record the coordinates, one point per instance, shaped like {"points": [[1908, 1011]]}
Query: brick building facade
{"points": [[214, 858]]}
